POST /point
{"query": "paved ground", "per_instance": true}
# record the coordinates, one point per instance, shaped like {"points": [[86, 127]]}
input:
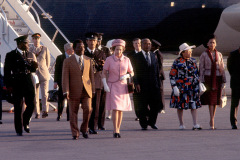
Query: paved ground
{"points": [[51, 140]]}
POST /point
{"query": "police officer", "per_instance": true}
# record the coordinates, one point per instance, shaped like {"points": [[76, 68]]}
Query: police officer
{"points": [[98, 57], [19, 64]]}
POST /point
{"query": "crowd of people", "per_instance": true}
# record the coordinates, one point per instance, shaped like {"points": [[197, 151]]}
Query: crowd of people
{"points": [[97, 78]]}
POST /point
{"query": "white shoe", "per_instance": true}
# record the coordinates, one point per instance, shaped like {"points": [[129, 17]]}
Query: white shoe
{"points": [[162, 111], [108, 117], [197, 126], [182, 127]]}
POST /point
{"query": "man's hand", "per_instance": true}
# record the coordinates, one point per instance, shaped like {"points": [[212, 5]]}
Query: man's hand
{"points": [[66, 95], [138, 88], [55, 85]]}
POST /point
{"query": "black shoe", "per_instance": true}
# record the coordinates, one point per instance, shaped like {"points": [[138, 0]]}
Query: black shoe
{"points": [[115, 135], [85, 135], [92, 131], [67, 118], [75, 138], [154, 127], [234, 127], [58, 118], [101, 128], [19, 134], [136, 119], [144, 129], [1, 122], [26, 128], [118, 134], [37, 116], [44, 114]]}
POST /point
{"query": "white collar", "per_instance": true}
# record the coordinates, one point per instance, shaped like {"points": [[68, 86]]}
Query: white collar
{"points": [[20, 51], [77, 57], [90, 50]]}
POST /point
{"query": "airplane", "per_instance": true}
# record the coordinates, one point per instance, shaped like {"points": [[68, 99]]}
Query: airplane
{"points": [[171, 22]]}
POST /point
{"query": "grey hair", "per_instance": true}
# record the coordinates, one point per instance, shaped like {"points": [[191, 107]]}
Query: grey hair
{"points": [[145, 39], [68, 46]]}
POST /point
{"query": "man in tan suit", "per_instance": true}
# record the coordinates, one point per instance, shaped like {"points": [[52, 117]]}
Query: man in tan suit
{"points": [[78, 87], [43, 58]]}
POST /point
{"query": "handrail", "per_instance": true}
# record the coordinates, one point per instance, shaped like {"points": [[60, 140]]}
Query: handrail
{"points": [[34, 10], [5, 23], [51, 21]]}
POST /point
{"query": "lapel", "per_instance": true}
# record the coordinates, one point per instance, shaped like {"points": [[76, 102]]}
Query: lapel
{"points": [[75, 64], [142, 58], [85, 65], [20, 56]]}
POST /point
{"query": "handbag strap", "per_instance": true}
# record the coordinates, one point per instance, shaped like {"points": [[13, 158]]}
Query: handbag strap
{"points": [[224, 92]]}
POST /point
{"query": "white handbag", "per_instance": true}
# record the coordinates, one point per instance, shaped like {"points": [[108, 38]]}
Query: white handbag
{"points": [[202, 88], [223, 101]]}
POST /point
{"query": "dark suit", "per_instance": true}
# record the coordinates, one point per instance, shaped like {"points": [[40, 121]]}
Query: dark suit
{"points": [[233, 65], [58, 80], [159, 57], [18, 77], [136, 99], [148, 78], [98, 102]]}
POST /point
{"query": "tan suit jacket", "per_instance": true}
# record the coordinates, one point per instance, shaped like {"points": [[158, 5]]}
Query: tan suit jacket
{"points": [[43, 60], [73, 79]]}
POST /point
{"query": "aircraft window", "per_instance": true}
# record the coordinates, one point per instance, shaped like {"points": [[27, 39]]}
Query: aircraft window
{"points": [[172, 4], [203, 5]]}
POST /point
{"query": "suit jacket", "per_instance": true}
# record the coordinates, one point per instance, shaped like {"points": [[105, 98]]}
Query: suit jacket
{"points": [[58, 69], [15, 67], [73, 80], [160, 64], [97, 56], [146, 76], [233, 65], [43, 60]]}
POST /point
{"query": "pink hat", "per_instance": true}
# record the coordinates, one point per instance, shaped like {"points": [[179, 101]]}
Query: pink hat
{"points": [[118, 42]]}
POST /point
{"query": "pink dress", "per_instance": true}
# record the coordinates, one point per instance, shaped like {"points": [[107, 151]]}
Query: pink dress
{"points": [[118, 98]]}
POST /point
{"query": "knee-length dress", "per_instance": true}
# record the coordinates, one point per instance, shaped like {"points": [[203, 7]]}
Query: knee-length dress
{"points": [[184, 74], [118, 98]]}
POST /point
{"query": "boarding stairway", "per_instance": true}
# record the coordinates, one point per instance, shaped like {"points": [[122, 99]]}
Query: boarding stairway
{"points": [[19, 17]]}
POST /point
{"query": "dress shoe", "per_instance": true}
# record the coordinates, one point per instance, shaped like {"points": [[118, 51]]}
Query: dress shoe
{"points": [[101, 128], [136, 119], [44, 114], [19, 134], [92, 131], [58, 118], [115, 135], [108, 117], [1, 122], [118, 134], [67, 118], [234, 127], [144, 129], [26, 128], [75, 138], [154, 127], [197, 126], [37, 116], [85, 135]]}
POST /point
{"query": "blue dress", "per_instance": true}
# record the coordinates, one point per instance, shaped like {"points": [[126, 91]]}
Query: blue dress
{"points": [[184, 74]]}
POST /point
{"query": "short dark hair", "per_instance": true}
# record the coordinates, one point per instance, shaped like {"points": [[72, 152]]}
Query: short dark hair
{"points": [[136, 39], [76, 42], [207, 38]]}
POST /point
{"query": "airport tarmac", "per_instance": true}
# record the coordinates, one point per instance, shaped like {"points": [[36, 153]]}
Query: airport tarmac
{"points": [[51, 140]]}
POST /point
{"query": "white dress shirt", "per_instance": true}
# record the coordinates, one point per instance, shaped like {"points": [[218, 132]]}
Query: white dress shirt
{"points": [[145, 55], [77, 58], [90, 50]]}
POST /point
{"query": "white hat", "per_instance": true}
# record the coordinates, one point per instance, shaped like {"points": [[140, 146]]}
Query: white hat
{"points": [[109, 43], [184, 47]]}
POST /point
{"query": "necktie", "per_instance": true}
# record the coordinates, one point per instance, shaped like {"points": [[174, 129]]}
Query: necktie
{"points": [[147, 59], [80, 63]]}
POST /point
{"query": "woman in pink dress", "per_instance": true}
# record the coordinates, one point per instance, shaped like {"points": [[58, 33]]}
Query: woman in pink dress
{"points": [[118, 68]]}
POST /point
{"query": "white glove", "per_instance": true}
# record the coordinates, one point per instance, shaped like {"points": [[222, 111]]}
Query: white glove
{"points": [[223, 85], [124, 77], [106, 88], [202, 88], [176, 91]]}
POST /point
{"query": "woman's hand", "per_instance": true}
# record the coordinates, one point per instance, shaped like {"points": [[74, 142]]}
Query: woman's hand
{"points": [[124, 77], [106, 88], [176, 91]]}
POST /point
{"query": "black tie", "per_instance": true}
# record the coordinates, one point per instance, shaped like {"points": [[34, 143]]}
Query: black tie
{"points": [[147, 59], [80, 63]]}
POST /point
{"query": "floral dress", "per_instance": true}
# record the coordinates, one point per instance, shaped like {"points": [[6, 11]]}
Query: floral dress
{"points": [[184, 74]]}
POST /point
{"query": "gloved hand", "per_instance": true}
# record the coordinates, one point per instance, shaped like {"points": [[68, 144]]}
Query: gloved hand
{"points": [[125, 77], [106, 88], [176, 91], [223, 85], [202, 88]]}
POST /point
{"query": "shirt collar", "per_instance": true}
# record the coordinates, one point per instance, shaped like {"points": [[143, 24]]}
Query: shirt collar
{"points": [[20, 51], [137, 51], [67, 56], [77, 57], [90, 50]]}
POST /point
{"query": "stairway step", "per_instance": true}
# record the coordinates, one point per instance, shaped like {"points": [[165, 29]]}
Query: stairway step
{"points": [[16, 22]]}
